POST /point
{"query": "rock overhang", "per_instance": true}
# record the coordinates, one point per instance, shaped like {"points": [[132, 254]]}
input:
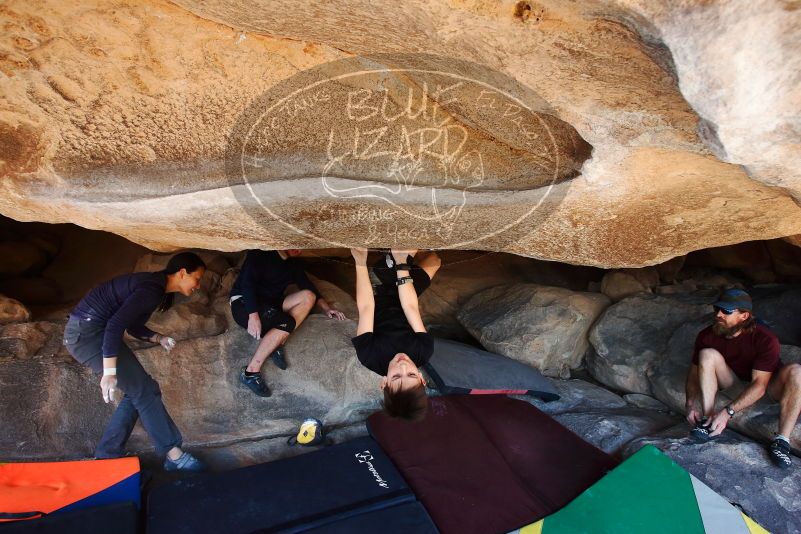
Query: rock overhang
{"points": [[119, 119]]}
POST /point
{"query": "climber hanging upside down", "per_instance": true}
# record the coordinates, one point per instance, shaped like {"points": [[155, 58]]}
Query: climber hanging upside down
{"points": [[391, 339]]}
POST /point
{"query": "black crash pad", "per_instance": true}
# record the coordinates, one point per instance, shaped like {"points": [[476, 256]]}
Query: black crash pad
{"points": [[290, 495]]}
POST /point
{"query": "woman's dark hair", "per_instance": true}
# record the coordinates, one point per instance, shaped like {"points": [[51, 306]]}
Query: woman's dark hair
{"points": [[184, 260], [410, 404]]}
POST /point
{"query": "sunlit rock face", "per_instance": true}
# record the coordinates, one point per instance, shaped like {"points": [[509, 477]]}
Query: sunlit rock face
{"points": [[615, 134]]}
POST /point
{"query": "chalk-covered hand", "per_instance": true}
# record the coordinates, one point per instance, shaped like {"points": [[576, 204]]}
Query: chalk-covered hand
{"points": [[167, 342], [254, 325], [108, 385]]}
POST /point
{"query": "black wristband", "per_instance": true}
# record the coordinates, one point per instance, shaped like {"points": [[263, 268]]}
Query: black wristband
{"points": [[404, 280], [403, 267]]}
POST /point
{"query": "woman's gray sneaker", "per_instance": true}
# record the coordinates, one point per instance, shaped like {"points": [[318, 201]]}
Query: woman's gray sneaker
{"points": [[255, 383], [185, 462], [779, 452]]}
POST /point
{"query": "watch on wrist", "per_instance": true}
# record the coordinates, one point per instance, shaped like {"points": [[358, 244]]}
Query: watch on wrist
{"points": [[730, 411]]}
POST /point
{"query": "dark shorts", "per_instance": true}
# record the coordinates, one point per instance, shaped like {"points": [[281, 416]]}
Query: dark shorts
{"points": [[271, 315]]}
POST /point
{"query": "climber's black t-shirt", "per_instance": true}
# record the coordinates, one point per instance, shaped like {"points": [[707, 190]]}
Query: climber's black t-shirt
{"points": [[376, 350], [391, 330]]}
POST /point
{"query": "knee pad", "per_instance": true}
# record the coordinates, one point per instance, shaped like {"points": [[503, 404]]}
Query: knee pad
{"points": [[283, 321]]}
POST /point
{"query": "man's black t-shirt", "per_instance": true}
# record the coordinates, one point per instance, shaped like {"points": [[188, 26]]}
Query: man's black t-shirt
{"points": [[391, 330], [265, 276]]}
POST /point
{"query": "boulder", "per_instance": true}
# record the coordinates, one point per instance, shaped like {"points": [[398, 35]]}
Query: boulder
{"points": [[669, 270], [645, 402], [751, 259], [189, 317], [620, 96], [785, 259], [32, 339], [539, 325], [21, 257], [611, 430], [577, 396], [632, 335], [621, 284], [65, 415], [739, 470], [780, 308], [12, 311], [337, 297], [463, 274], [216, 262], [33, 290]]}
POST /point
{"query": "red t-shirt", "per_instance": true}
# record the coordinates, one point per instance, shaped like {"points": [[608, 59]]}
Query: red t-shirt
{"points": [[754, 350]]}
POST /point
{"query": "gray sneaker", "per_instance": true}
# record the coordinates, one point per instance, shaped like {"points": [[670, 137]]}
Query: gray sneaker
{"points": [[185, 462]]}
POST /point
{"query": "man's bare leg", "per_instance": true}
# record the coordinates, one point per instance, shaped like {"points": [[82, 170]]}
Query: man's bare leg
{"points": [[273, 339], [713, 375], [299, 304], [787, 389]]}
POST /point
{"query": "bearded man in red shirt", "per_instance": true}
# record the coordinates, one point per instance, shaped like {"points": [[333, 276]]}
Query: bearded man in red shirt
{"points": [[735, 348]]}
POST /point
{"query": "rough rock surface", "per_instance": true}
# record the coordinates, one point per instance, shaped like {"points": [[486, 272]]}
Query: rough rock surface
{"points": [[780, 308], [117, 117], [632, 335], [577, 396], [462, 275], [646, 402], [611, 430], [26, 340], [539, 325], [12, 311], [739, 470], [199, 383], [618, 285]]}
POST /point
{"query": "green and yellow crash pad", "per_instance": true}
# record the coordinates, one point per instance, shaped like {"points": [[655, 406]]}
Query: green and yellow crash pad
{"points": [[650, 493]]}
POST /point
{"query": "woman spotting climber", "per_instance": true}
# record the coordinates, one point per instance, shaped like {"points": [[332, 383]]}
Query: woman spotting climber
{"points": [[391, 339], [94, 337]]}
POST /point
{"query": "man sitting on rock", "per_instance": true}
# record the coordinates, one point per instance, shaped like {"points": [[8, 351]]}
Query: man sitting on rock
{"points": [[391, 339], [735, 348], [258, 304]]}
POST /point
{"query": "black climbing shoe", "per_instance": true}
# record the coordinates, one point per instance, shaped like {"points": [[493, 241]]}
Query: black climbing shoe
{"points": [[779, 452], [279, 358], [700, 432], [255, 383]]}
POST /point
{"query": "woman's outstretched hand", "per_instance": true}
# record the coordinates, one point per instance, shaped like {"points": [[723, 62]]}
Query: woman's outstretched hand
{"points": [[400, 255], [360, 255]]}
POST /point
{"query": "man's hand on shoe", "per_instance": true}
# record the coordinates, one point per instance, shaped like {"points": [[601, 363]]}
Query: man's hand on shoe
{"points": [[335, 314], [718, 423], [693, 415], [254, 325], [359, 255]]}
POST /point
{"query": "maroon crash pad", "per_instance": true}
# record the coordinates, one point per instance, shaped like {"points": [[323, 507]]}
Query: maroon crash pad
{"points": [[488, 463]]}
